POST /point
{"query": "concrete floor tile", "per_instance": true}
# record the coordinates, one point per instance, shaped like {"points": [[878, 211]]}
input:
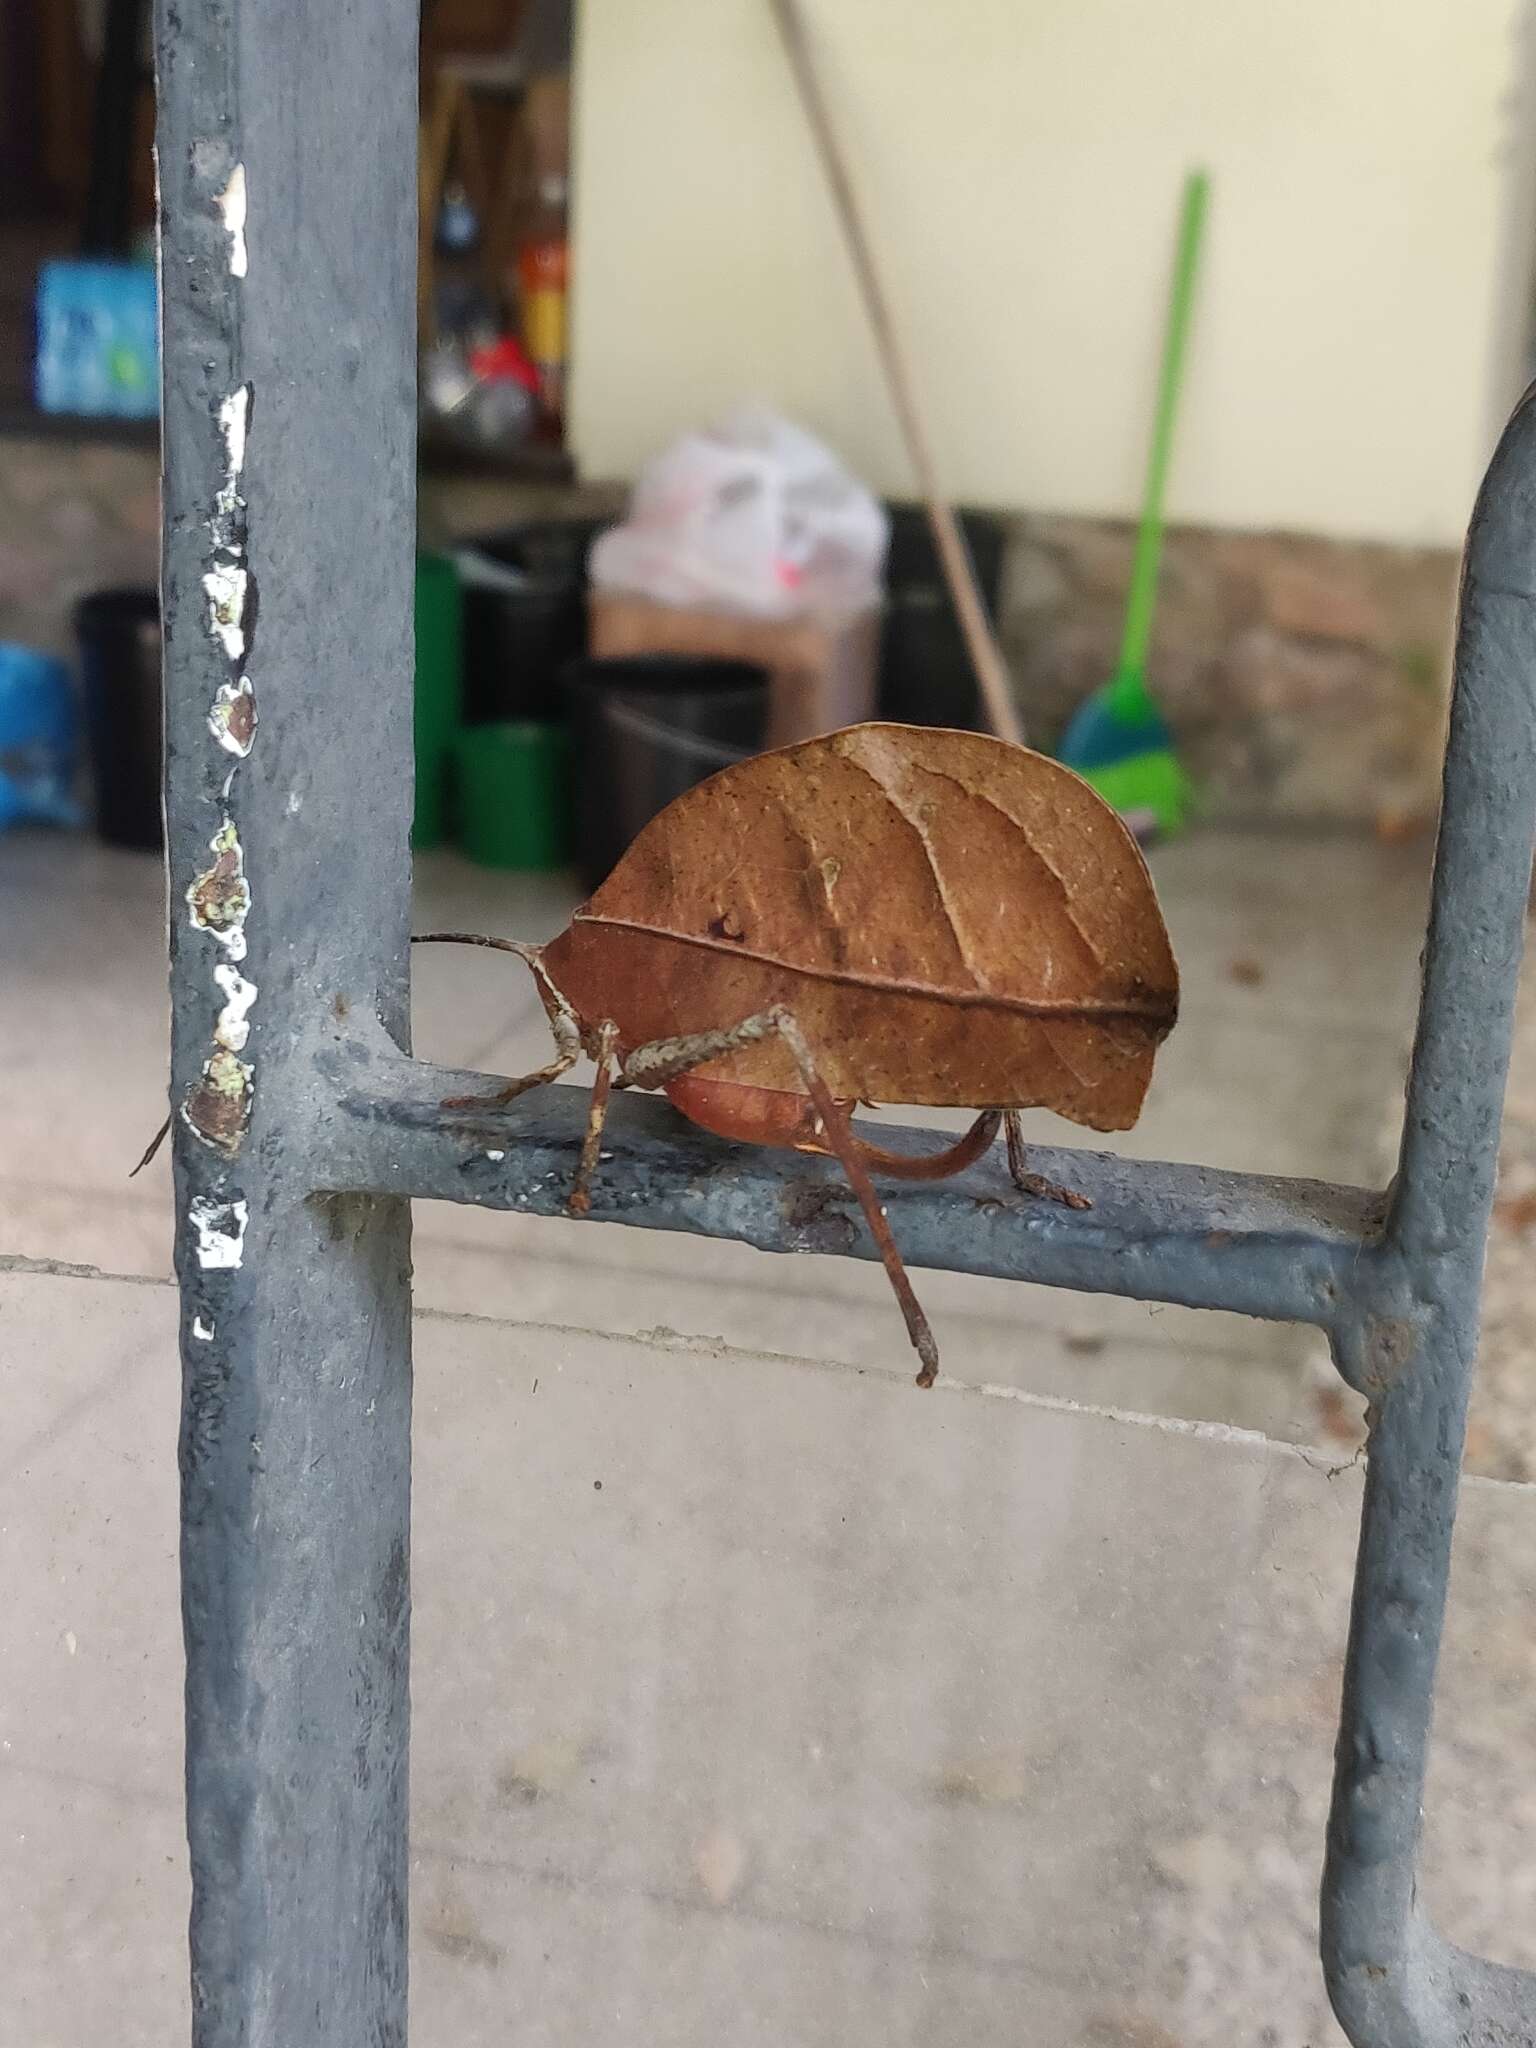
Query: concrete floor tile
{"points": [[88, 1532], [1078, 1347], [119, 1232], [835, 1712], [1324, 930], [59, 1362], [93, 1897], [497, 1948]]}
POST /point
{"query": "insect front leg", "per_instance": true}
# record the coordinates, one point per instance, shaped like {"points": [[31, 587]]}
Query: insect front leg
{"points": [[579, 1201], [563, 1022], [1027, 1182], [567, 1037]]}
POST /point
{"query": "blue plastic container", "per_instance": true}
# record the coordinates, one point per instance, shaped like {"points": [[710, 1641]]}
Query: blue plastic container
{"points": [[97, 340], [38, 737]]}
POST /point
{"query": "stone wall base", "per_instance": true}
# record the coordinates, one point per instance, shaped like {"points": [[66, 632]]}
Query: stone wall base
{"points": [[1305, 680]]}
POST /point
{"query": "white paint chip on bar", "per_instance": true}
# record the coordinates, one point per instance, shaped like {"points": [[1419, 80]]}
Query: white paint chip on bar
{"points": [[202, 1331], [232, 212], [220, 1231], [234, 415], [226, 587], [234, 419], [233, 1027]]}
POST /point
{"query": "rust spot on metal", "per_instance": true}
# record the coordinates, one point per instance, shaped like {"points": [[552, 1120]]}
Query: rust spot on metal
{"points": [[242, 719], [232, 720], [218, 1106], [220, 897], [1391, 1343], [810, 1208]]}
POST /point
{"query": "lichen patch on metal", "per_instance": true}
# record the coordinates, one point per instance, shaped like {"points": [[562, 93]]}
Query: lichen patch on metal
{"points": [[232, 717], [219, 1229], [220, 897], [218, 1106], [232, 213]]}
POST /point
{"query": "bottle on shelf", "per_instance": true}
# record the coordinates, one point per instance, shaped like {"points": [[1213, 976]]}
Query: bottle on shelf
{"points": [[541, 279]]}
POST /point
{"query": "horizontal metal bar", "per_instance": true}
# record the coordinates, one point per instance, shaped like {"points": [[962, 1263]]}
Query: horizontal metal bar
{"points": [[1255, 1244]]}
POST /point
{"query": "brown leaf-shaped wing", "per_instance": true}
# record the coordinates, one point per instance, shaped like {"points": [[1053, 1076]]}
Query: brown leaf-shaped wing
{"points": [[953, 920]]}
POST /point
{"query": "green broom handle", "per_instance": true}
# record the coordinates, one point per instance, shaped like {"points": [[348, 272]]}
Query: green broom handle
{"points": [[1126, 692]]}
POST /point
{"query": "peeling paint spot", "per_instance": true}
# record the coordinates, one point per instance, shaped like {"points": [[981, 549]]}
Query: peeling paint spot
{"points": [[232, 721], [218, 1108], [220, 1231], [496, 1155], [228, 505], [202, 1331], [233, 1027], [220, 897], [295, 803], [234, 417], [232, 212], [226, 587]]}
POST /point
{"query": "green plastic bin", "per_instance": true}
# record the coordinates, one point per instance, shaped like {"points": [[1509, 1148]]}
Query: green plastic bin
{"points": [[439, 689], [514, 795]]}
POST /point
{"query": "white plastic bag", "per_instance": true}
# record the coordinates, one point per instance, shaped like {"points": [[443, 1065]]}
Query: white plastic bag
{"points": [[754, 517]]}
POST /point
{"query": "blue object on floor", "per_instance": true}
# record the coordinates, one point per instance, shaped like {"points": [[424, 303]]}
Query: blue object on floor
{"points": [[38, 730], [97, 339]]}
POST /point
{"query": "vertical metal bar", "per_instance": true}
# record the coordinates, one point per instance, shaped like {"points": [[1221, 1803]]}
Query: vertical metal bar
{"points": [[1412, 1348], [286, 149]]}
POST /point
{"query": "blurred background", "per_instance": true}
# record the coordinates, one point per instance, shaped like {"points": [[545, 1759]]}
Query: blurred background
{"points": [[705, 1759]]}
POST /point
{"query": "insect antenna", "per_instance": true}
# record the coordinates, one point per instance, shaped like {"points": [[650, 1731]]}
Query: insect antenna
{"points": [[528, 953]]}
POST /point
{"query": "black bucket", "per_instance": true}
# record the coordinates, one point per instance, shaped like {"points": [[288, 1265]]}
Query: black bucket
{"points": [[926, 676], [647, 727], [517, 638], [118, 632]]}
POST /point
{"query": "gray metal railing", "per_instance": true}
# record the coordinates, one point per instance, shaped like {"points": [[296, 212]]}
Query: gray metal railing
{"points": [[287, 151]]}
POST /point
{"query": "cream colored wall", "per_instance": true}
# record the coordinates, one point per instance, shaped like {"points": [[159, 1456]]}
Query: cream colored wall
{"points": [[1367, 259]]}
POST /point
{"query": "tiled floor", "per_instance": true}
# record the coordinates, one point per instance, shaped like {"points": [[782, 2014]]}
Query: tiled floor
{"points": [[838, 1714]]}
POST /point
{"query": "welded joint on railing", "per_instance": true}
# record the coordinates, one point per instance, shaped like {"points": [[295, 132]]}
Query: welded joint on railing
{"points": [[1392, 1309]]}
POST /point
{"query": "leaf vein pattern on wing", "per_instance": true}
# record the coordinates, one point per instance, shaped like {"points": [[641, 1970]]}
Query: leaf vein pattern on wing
{"points": [[1058, 881], [978, 977]]}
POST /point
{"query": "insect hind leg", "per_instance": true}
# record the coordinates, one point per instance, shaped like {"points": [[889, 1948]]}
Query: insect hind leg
{"points": [[1029, 1182], [652, 1066]]}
